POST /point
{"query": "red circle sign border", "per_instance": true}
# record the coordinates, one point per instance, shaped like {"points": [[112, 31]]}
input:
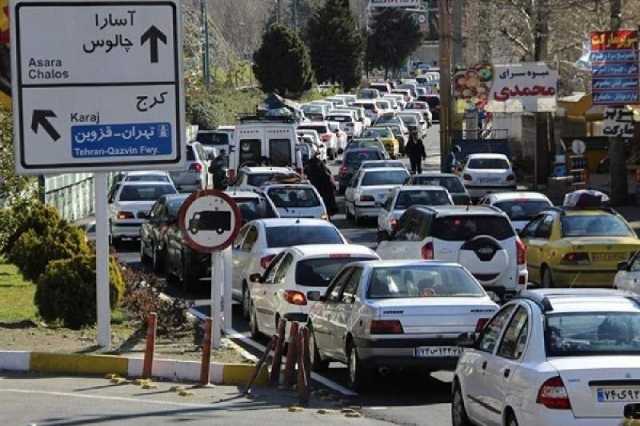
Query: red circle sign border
{"points": [[182, 220]]}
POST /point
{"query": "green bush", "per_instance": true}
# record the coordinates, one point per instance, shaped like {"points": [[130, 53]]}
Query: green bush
{"points": [[67, 290], [40, 236]]}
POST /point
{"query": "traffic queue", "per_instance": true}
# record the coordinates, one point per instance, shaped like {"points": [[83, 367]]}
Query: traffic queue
{"points": [[515, 295]]}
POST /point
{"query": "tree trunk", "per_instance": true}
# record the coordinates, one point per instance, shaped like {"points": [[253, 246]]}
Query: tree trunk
{"points": [[544, 146], [485, 33], [617, 163]]}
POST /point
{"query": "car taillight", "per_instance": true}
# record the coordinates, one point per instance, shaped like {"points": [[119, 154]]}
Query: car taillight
{"points": [[195, 167], [467, 177], [343, 170], [576, 258], [427, 251], [554, 395], [386, 327], [367, 199], [480, 324], [511, 177], [521, 252], [125, 215], [266, 260], [295, 297]]}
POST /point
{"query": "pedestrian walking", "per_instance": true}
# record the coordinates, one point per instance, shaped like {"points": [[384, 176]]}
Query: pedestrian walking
{"points": [[415, 152], [320, 177]]}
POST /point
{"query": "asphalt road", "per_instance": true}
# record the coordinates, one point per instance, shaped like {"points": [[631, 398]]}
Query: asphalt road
{"points": [[405, 398]]}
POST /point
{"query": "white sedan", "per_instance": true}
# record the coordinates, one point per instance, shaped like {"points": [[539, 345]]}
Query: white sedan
{"points": [[297, 200], [293, 274], [521, 207], [483, 173], [404, 197], [553, 358]]}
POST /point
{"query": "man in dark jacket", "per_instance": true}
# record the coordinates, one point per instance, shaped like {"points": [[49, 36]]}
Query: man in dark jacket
{"points": [[415, 152], [320, 177]]}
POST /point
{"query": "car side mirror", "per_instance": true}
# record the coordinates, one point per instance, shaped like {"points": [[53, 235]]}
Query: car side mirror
{"points": [[623, 266], [467, 340], [314, 296], [256, 278]]}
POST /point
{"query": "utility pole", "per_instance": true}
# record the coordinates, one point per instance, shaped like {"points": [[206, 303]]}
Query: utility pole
{"points": [[204, 16], [617, 161], [457, 41], [542, 153], [445, 83]]}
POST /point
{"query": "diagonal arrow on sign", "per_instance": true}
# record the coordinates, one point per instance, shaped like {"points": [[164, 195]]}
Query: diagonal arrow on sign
{"points": [[41, 118], [152, 35]]}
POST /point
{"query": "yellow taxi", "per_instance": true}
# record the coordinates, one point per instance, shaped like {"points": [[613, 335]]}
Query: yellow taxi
{"points": [[577, 248], [385, 135]]}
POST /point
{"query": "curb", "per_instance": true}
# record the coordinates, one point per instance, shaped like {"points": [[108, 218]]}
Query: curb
{"points": [[173, 370]]}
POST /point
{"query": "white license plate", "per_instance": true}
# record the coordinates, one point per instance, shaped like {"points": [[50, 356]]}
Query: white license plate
{"points": [[489, 180], [618, 394], [438, 351]]}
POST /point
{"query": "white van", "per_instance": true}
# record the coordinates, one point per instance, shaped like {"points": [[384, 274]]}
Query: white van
{"points": [[264, 142]]}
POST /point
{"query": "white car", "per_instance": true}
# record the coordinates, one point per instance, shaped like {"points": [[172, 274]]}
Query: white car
{"points": [[399, 100], [481, 239], [297, 200], [628, 276], [521, 207], [404, 197], [327, 137], [414, 120], [129, 206], [347, 122], [568, 357], [483, 173], [384, 106], [368, 190], [250, 178], [147, 176], [258, 242], [196, 174], [291, 276], [377, 316]]}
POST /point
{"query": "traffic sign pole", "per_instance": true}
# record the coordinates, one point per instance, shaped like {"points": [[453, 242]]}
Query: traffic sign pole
{"points": [[102, 262], [217, 278], [228, 269]]}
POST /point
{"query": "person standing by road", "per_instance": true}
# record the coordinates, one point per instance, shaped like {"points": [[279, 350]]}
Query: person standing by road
{"points": [[320, 177], [415, 152]]}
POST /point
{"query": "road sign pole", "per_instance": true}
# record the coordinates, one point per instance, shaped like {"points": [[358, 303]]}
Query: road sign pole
{"points": [[102, 261], [227, 289], [217, 278]]}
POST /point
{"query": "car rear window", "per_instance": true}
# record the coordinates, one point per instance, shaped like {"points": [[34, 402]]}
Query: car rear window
{"points": [[287, 236], [147, 178], [320, 272], [594, 226], [339, 118], [377, 133], [145, 192], [213, 138], [522, 209], [354, 158], [592, 333], [407, 199], [416, 281], [488, 163], [463, 228], [258, 179], [451, 184], [294, 197], [383, 164], [254, 208], [409, 119], [384, 178], [280, 152], [319, 129]]}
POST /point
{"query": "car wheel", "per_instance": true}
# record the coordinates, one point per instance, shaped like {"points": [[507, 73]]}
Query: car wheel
{"points": [[253, 323], [246, 301], [317, 363], [511, 419], [358, 372], [546, 278], [458, 412]]}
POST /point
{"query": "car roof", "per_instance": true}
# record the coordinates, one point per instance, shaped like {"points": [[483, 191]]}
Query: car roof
{"points": [[275, 222], [488, 155], [509, 196], [470, 210], [262, 169], [421, 188], [312, 123], [587, 212], [139, 183], [425, 263], [573, 300], [243, 194], [328, 250], [147, 172]]}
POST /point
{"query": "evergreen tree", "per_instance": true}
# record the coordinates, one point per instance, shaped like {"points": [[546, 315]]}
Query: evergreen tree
{"points": [[395, 35], [335, 44], [282, 64]]}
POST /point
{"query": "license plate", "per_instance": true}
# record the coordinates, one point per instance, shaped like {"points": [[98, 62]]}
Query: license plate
{"points": [[609, 257], [489, 180], [438, 351], [631, 394]]}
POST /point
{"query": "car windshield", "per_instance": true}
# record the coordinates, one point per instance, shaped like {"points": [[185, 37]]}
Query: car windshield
{"points": [[319, 129], [407, 199], [414, 281], [313, 109], [355, 158], [466, 227], [451, 184], [254, 208], [409, 119], [592, 333], [320, 272], [147, 178], [293, 197], [299, 235], [488, 163], [376, 133], [396, 177], [145, 192], [523, 209], [594, 226]]}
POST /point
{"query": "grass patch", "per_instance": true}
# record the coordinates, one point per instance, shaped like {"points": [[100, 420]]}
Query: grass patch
{"points": [[16, 295]]}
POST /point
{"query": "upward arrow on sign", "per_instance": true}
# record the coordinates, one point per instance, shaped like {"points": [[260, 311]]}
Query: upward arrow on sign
{"points": [[152, 35]]}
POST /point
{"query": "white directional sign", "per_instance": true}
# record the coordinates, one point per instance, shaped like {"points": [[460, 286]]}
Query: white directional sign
{"points": [[97, 85]]}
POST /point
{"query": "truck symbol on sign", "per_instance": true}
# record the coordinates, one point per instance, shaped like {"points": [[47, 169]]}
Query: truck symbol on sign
{"points": [[210, 221]]}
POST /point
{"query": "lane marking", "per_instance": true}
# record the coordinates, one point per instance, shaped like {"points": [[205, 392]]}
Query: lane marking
{"points": [[233, 334], [107, 398]]}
